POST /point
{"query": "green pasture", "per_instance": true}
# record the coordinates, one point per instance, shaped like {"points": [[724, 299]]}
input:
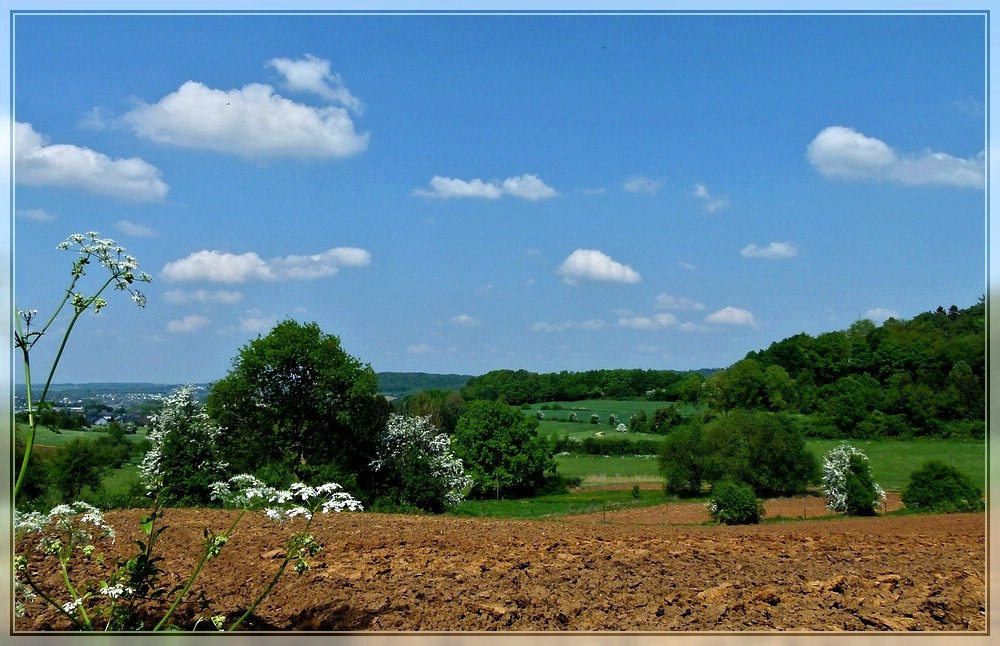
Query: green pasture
{"points": [[612, 469], [577, 502], [623, 408], [893, 461], [46, 437]]}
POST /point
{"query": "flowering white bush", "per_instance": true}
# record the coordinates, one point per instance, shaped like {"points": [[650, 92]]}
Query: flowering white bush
{"points": [[836, 468], [404, 435], [621, 428], [181, 416]]}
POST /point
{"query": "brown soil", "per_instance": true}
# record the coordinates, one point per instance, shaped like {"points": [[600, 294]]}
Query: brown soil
{"points": [[649, 569]]}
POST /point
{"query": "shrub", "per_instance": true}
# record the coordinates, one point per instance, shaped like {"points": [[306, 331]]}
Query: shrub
{"points": [[595, 419], [572, 417], [734, 503], [938, 486], [848, 483], [612, 420]]}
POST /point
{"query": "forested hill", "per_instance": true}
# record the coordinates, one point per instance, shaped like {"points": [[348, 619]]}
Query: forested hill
{"points": [[401, 384], [523, 387], [924, 376]]}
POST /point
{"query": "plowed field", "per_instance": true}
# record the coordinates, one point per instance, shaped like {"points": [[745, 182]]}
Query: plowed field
{"points": [[649, 569]]}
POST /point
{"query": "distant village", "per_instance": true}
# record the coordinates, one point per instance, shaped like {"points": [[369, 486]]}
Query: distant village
{"points": [[131, 405]]}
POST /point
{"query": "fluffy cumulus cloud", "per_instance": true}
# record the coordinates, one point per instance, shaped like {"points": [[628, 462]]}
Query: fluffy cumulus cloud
{"points": [[668, 302], [848, 154], [202, 296], [526, 187], [465, 320], [312, 74], [223, 267], [188, 324], [592, 265], [880, 315], [40, 163], [254, 121], [649, 323], [254, 322], [732, 316], [773, 251], [711, 203], [133, 229], [642, 184]]}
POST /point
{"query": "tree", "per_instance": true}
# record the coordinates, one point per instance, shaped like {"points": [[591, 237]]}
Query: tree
{"points": [[77, 464], [442, 406], [664, 419], [295, 399], [765, 450], [501, 450], [681, 460]]}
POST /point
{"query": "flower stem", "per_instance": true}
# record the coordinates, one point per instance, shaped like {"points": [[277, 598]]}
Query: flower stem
{"points": [[72, 591], [263, 595], [194, 574]]}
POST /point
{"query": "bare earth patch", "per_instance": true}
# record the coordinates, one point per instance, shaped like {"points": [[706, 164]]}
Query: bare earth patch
{"points": [[650, 569]]}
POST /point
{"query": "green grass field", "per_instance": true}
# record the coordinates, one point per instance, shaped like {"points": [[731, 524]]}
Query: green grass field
{"points": [[893, 461], [578, 502], [46, 437]]}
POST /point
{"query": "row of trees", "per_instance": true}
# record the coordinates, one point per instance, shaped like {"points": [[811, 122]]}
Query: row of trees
{"points": [[296, 407], [518, 387]]}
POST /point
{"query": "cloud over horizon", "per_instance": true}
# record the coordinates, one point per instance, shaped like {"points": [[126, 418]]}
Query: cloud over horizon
{"points": [[732, 316], [39, 163], [642, 184], [845, 153], [188, 324], [668, 302], [591, 264], [526, 187], [224, 267]]}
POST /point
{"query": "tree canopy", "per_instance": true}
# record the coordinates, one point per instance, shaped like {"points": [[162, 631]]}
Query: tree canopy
{"points": [[295, 400]]}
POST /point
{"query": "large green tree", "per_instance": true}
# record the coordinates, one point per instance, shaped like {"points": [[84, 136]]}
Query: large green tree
{"points": [[295, 400], [501, 450]]}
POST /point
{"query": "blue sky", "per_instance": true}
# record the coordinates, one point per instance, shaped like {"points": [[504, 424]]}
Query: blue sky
{"points": [[459, 193]]}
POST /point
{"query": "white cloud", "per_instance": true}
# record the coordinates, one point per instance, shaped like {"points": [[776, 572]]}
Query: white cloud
{"points": [[732, 316], [880, 315], [312, 74], [179, 296], [465, 320], [527, 187], [846, 153], [188, 324], [137, 230], [419, 348], [693, 327], [39, 215], [253, 321], [773, 251], [712, 204], [251, 122], [590, 264], [38, 163], [589, 324], [223, 267], [649, 323], [668, 302], [484, 290], [688, 266], [642, 184]]}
